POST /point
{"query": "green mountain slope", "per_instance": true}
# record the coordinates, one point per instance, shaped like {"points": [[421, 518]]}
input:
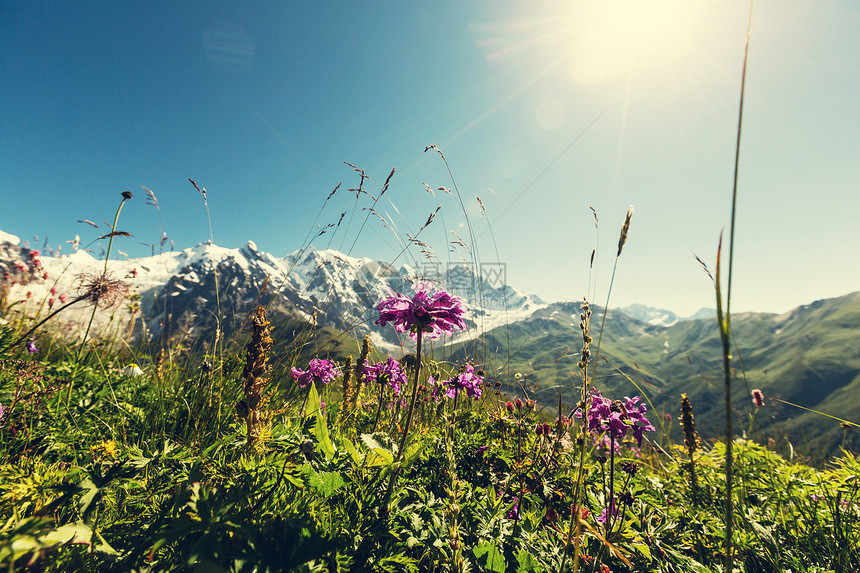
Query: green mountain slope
{"points": [[809, 356]]}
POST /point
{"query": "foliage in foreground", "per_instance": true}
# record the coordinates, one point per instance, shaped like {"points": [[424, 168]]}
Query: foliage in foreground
{"points": [[115, 472]]}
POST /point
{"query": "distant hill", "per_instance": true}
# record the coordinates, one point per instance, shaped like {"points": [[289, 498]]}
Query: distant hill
{"points": [[662, 317], [809, 356]]}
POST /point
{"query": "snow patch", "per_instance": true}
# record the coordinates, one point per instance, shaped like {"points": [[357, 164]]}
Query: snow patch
{"points": [[7, 238]]}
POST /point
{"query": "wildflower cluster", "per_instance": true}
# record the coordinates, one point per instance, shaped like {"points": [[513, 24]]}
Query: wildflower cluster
{"points": [[388, 372], [466, 380], [615, 418], [319, 370], [29, 270]]}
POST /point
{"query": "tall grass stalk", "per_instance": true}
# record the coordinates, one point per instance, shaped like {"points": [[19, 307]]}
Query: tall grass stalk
{"points": [[219, 336], [724, 316], [625, 232]]}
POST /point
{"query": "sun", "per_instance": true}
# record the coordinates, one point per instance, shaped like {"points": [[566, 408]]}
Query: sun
{"points": [[600, 40], [611, 38]]}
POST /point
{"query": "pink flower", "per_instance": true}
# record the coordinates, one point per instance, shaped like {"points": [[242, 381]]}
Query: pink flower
{"points": [[63, 298], [53, 291], [388, 372], [431, 313], [758, 398], [51, 303], [466, 380], [45, 275], [134, 272], [321, 370]]}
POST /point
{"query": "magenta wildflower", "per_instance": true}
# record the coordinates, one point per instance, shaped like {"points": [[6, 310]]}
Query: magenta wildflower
{"points": [[514, 513], [616, 418], [466, 380], [31, 346], [319, 369], [606, 511], [430, 313], [388, 372]]}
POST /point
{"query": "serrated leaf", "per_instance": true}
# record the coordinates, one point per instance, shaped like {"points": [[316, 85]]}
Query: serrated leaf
{"points": [[526, 563], [103, 546], [370, 442], [327, 483]]}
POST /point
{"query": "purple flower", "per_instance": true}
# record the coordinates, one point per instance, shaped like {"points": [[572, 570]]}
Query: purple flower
{"points": [[2, 414], [466, 380], [432, 314], [388, 372], [604, 515], [614, 419], [31, 346], [320, 370], [514, 513]]}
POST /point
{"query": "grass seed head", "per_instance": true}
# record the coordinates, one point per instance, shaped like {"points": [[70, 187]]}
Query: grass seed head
{"points": [[625, 231], [101, 289]]}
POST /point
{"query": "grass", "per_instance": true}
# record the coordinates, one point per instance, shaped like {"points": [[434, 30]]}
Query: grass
{"points": [[149, 477]]}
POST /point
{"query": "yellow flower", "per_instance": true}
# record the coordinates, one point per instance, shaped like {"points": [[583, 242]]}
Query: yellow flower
{"points": [[105, 449]]}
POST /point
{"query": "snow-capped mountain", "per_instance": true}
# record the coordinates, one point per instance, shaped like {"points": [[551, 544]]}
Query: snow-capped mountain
{"points": [[176, 291], [662, 317]]}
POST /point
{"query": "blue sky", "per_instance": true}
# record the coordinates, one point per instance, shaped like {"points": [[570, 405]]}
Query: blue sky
{"points": [[542, 109]]}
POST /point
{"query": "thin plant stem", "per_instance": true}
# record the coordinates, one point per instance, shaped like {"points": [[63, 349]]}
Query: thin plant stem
{"points": [[725, 318], [125, 196], [603, 320], [414, 396]]}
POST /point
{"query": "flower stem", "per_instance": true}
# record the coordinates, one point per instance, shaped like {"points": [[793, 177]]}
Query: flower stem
{"points": [[414, 397], [125, 197]]}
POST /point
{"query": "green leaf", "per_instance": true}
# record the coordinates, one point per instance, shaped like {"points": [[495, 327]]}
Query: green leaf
{"points": [[327, 483], [489, 555], [643, 549], [70, 533], [313, 402], [350, 448], [527, 563], [382, 458], [322, 436]]}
